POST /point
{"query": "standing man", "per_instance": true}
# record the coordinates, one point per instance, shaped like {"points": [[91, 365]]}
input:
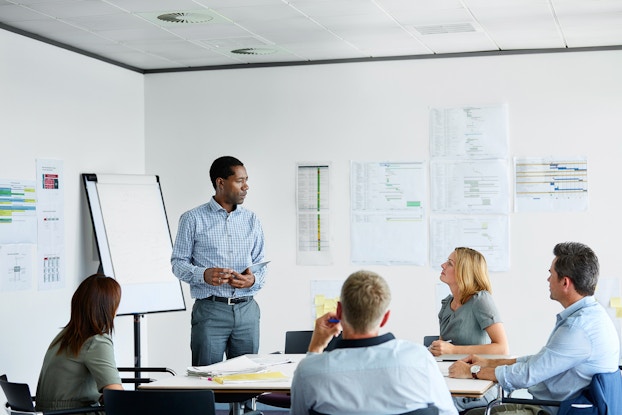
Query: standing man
{"points": [[215, 245], [583, 343], [366, 372]]}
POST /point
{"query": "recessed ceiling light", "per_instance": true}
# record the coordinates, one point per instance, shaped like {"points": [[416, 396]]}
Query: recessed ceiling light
{"points": [[185, 17], [254, 51], [442, 29]]}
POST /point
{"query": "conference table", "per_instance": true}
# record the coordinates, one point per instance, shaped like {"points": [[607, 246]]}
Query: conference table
{"points": [[207, 377]]}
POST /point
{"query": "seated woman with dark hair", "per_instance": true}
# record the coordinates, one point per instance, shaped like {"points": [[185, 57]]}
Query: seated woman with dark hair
{"points": [[80, 361]]}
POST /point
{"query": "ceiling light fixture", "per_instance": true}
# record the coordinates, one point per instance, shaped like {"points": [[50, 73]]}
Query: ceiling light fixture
{"points": [[445, 29]]}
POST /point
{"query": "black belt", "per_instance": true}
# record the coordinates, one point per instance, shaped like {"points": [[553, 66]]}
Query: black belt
{"points": [[229, 300]]}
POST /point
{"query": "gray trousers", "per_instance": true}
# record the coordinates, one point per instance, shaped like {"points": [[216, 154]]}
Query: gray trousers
{"points": [[220, 329]]}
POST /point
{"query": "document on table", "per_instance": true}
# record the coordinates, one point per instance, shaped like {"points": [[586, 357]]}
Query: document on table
{"points": [[444, 367], [238, 365]]}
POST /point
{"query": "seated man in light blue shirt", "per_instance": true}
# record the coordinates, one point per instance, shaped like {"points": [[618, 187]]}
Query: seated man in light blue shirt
{"points": [[584, 341], [367, 373]]}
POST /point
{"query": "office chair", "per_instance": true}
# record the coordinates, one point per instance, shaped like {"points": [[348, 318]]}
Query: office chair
{"points": [[430, 410], [601, 397], [296, 342], [20, 402], [427, 340], [161, 402]]}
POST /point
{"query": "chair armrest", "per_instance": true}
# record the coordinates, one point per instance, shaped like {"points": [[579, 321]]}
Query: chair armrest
{"points": [[137, 380], [147, 369], [542, 402], [522, 401], [138, 370], [84, 410]]}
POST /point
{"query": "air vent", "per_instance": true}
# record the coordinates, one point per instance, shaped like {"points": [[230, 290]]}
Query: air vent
{"points": [[444, 29], [254, 51], [178, 18], [185, 17]]}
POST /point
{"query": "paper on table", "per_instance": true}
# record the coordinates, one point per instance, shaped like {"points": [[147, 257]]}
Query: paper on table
{"points": [[444, 367], [250, 377], [240, 364], [271, 360]]}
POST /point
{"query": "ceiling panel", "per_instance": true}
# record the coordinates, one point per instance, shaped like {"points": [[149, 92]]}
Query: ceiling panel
{"points": [[149, 35]]}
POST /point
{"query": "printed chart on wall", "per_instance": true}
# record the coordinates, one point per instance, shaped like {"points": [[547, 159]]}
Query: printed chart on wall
{"points": [[313, 213], [387, 216], [51, 224], [324, 297], [469, 131], [469, 183], [478, 186], [551, 184], [18, 234], [488, 234]]}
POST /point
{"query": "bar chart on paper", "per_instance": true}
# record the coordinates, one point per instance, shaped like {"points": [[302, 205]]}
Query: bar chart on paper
{"points": [[387, 217], [547, 184], [313, 208]]}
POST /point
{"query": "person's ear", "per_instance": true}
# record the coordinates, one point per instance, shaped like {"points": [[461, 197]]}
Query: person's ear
{"points": [[339, 310], [385, 318]]}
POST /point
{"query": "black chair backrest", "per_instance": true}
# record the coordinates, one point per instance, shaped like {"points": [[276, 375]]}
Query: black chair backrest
{"points": [[427, 340], [159, 402], [430, 410], [298, 341], [17, 395]]}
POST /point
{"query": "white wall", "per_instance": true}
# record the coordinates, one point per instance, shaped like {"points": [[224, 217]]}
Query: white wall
{"points": [[99, 118], [55, 104], [559, 104]]}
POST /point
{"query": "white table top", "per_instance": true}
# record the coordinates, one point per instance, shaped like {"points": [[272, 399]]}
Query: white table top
{"points": [[457, 387]]}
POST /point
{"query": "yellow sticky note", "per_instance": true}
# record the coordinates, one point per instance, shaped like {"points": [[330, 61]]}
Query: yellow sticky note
{"points": [[319, 299], [250, 377], [618, 312], [615, 302]]}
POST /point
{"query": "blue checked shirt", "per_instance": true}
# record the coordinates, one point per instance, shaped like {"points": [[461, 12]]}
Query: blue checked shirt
{"points": [[584, 342], [209, 237]]}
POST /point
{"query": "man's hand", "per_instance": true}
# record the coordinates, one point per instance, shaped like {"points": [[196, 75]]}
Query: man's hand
{"points": [[245, 280], [217, 276], [460, 369], [477, 360], [326, 327]]}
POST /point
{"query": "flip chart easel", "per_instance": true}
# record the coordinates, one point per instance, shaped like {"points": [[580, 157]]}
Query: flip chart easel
{"points": [[134, 244]]}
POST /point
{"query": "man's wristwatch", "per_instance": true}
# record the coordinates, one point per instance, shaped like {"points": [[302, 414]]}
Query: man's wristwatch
{"points": [[475, 370]]}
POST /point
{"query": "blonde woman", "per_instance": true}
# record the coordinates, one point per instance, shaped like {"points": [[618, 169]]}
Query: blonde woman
{"points": [[469, 320]]}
